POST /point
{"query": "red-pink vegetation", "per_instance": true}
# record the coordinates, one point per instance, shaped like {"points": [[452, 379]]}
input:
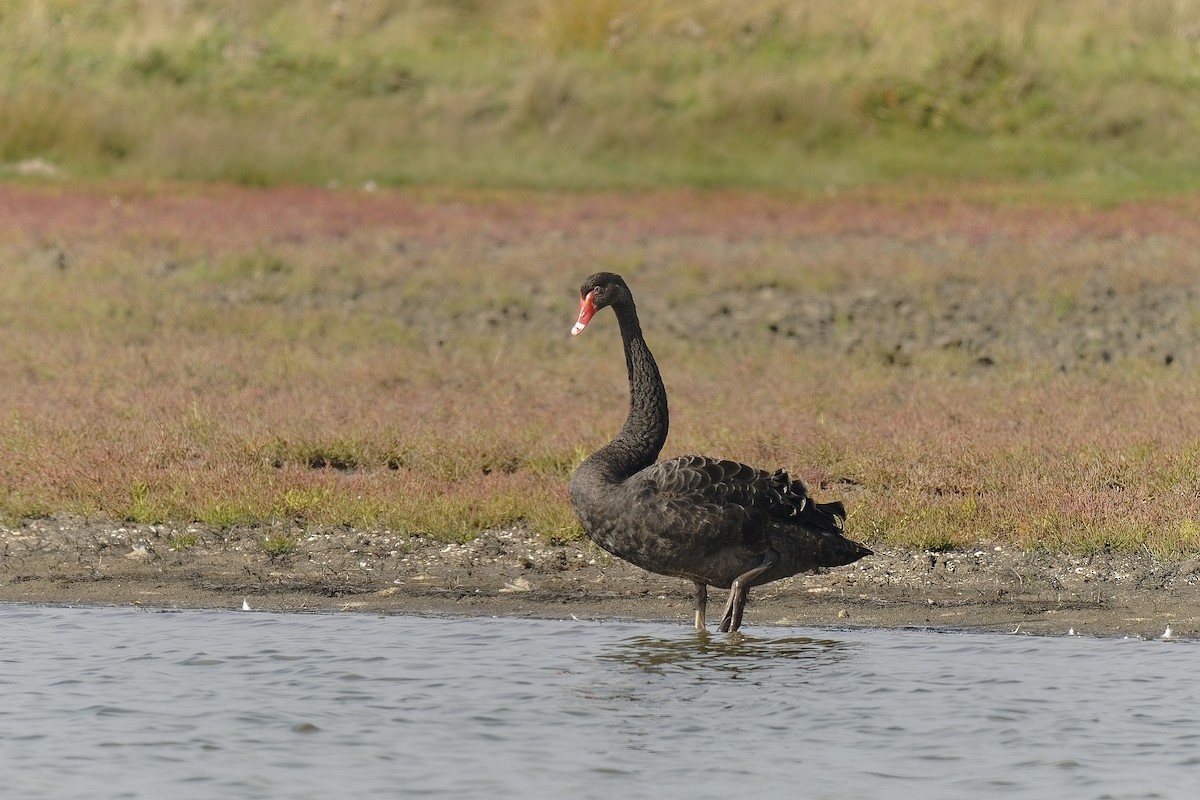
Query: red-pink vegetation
{"points": [[402, 360], [1035, 460]]}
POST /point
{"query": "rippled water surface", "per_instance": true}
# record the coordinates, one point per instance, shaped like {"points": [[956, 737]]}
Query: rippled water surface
{"points": [[114, 703]]}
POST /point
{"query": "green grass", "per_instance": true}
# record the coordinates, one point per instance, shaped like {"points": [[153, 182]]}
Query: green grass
{"points": [[279, 546], [184, 540], [619, 93]]}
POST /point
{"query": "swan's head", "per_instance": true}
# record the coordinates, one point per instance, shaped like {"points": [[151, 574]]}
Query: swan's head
{"points": [[599, 290]]}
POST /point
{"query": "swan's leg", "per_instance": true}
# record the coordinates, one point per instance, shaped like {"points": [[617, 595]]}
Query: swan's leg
{"points": [[738, 593], [701, 604], [740, 590]]}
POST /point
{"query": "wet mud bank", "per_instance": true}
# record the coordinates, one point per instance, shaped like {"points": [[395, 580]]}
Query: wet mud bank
{"points": [[512, 573]]}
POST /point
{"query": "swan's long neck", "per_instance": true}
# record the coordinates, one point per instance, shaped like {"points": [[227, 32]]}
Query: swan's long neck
{"points": [[645, 430]]}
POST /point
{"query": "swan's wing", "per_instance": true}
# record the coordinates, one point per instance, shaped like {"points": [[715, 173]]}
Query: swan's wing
{"points": [[724, 487]]}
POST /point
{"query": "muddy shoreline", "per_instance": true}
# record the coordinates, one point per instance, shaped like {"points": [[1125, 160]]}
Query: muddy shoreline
{"points": [[65, 560]]}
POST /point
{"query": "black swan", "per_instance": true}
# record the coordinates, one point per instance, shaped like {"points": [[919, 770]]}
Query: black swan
{"points": [[712, 522]]}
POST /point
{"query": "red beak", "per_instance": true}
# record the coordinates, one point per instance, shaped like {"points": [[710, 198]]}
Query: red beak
{"points": [[587, 310]]}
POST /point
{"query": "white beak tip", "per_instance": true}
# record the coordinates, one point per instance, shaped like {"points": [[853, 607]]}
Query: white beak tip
{"points": [[577, 329]]}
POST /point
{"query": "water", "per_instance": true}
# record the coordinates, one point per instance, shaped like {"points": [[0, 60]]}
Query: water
{"points": [[120, 703]]}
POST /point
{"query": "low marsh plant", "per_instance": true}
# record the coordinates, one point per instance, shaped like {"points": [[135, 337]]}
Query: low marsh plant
{"points": [[277, 545], [184, 540], [132, 391]]}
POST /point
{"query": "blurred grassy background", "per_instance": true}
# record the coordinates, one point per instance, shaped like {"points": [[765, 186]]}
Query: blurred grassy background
{"points": [[1093, 99], [400, 359]]}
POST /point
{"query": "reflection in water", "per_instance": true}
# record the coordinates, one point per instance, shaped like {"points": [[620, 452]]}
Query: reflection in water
{"points": [[722, 656]]}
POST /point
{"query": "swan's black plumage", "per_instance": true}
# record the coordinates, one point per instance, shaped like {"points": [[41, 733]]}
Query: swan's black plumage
{"points": [[714, 522]]}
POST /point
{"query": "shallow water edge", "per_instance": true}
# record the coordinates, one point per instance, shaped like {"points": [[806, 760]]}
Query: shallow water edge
{"points": [[126, 703], [512, 573]]}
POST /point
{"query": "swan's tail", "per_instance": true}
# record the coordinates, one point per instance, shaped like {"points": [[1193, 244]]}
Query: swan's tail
{"points": [[829, 519], [829, 547], [840, 551], [821, 517], [826, 517]]}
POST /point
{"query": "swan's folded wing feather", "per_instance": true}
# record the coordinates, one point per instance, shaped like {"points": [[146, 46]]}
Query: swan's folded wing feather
{"points": [[683, 504], [692, 482]]}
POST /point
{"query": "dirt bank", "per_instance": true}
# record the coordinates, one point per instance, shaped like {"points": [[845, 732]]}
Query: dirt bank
{"points": [[510, 573]]}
